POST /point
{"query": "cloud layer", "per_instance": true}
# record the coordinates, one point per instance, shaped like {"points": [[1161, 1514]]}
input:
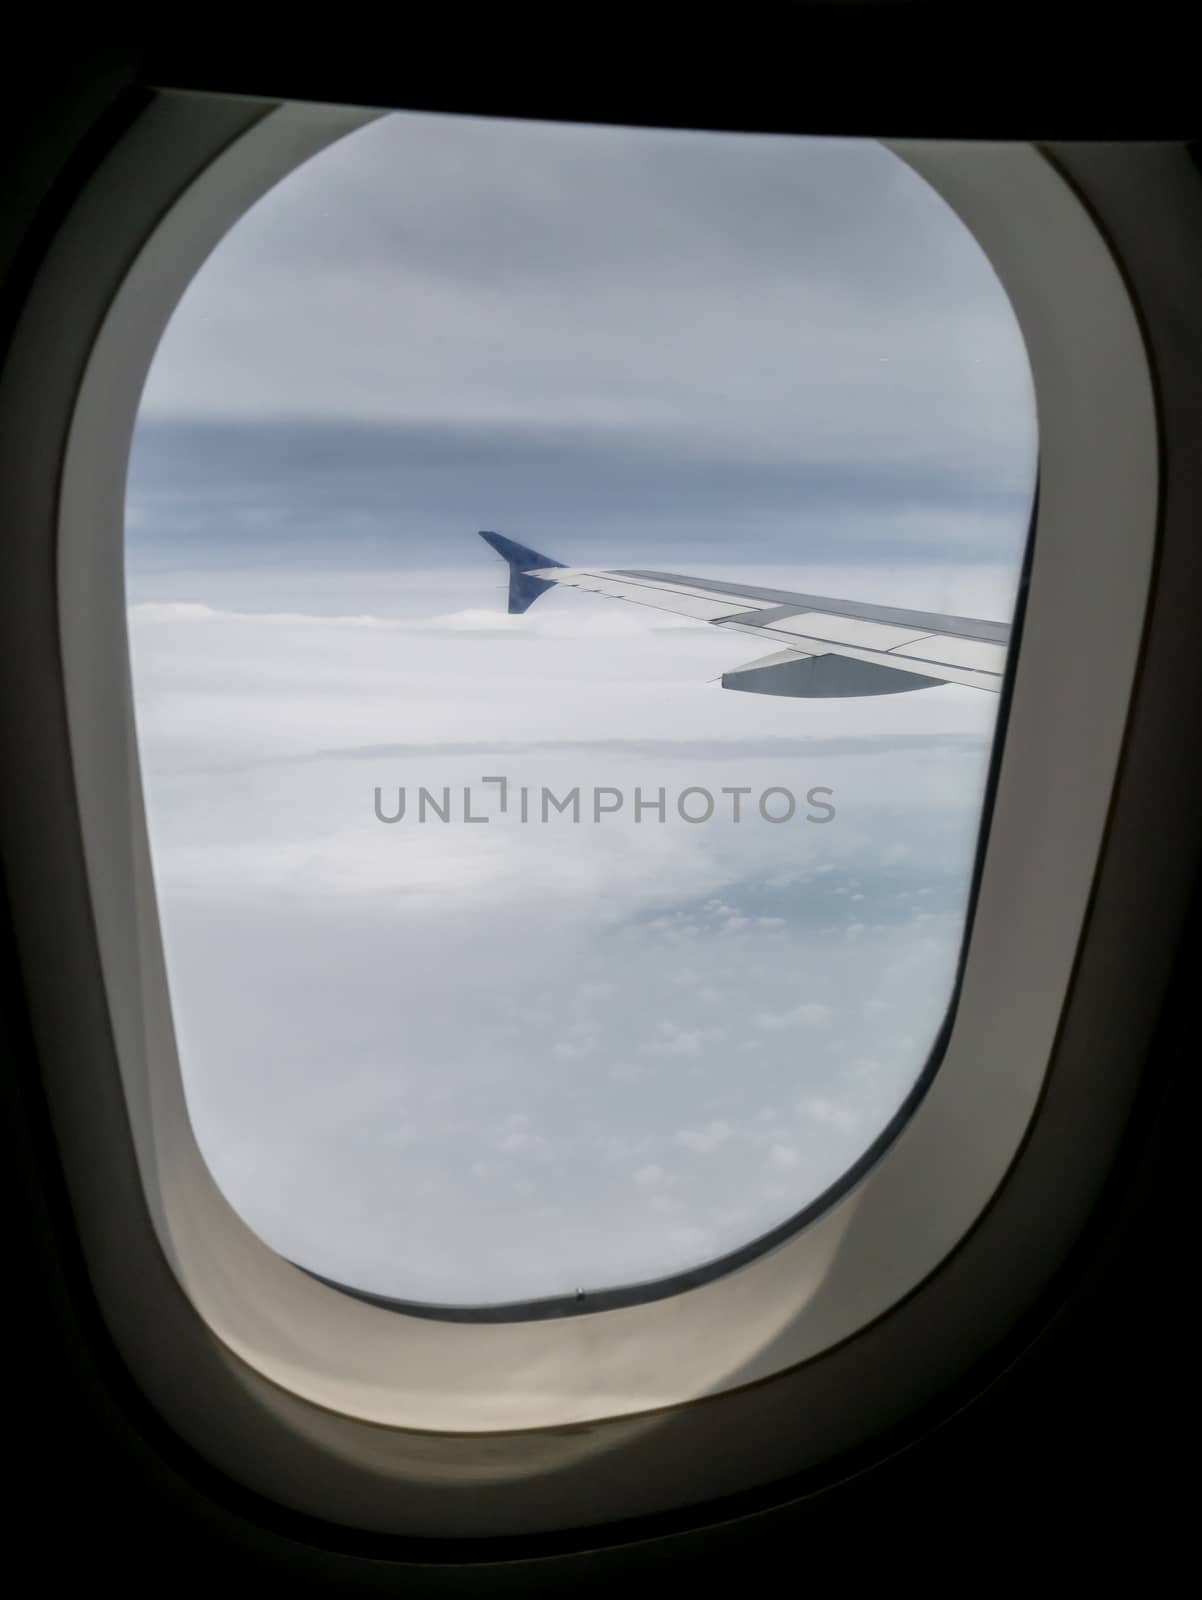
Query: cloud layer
{"points": [[470, 1063], [461, 1062], [777, 299]]}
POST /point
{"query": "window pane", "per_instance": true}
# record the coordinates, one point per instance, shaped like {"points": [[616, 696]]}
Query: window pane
{"points": [[614, 1030]]}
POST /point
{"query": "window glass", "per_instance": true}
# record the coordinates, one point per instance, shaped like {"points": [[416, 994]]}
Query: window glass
{"points": [[510, 953]]}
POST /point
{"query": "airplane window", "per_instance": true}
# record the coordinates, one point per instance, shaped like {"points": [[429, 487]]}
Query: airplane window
{"points": [[570, 572]]}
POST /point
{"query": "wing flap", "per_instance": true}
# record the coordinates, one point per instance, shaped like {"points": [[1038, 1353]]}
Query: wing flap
{"points": [[844, 630], [974, 653], [945, 672]]}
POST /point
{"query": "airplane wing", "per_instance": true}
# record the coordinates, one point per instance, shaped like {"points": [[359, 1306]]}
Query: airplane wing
{"points": [[819, 648]]}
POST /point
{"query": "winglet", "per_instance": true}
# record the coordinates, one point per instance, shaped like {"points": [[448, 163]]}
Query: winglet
{"points": [[524, 590]]}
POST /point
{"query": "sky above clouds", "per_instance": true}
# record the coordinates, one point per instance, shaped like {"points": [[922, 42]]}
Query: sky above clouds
{"points": [[463, 1063]]}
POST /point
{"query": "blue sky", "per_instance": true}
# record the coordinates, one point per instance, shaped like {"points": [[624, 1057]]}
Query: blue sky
{"points": [[470, 1064]]}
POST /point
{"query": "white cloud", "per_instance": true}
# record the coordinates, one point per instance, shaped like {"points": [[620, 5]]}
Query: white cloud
{"points": [[810, 1014], [320, 961], [831, 1113], [704, 1141], [673, 1040], [516, 1137], [581, 1039]]}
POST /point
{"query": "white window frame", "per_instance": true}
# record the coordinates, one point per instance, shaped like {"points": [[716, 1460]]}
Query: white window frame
{"points": [[397, 1424]]}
